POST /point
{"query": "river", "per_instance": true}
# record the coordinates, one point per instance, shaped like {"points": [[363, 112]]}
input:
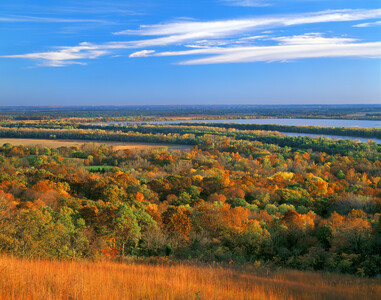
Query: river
{"points": [[296, 122]]}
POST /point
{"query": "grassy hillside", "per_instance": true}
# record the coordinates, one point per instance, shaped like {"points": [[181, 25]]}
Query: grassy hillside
{"points": [[38, 279]]}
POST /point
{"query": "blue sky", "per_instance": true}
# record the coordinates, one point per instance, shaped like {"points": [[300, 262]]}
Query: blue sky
{"points": [[190, 52]]}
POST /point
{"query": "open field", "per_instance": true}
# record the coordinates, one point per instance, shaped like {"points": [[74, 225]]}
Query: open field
{"points": [[34, 279], [79, 143], [97, 168]]}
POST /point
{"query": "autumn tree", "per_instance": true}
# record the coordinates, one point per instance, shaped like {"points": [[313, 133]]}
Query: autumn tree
{"points": [[176, 221]]}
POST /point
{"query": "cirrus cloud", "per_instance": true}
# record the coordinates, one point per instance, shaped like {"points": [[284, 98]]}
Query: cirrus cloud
{"points": [[224, 41], [370, 24], [313, 45]]}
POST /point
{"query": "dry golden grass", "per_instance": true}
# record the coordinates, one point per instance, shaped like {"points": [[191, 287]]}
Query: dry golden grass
{"points": [[79, 143], [37, 279]]}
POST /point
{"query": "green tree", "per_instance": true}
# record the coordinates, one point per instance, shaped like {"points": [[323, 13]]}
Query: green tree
{"points": [[126, 229]]}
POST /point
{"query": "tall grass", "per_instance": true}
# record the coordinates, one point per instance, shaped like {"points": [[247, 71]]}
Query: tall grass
{"points": [[38, 279]]}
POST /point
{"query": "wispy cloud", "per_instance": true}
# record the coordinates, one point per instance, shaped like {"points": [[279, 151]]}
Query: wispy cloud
{"points": [[314, 38], [290, 52], [26, 19], [370, 24], [68, 7], [65, 55], [143, 53], [184, 31], [229, 40], [227, 27], [289, 48]]}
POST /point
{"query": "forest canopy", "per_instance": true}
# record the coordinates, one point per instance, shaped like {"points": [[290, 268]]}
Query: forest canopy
{"points": [[239, 195]]}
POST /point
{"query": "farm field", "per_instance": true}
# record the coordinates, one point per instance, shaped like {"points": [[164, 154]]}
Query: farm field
{"points": [[38, 279], [79, 143]]}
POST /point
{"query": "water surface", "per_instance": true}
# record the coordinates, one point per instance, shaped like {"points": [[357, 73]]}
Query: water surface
{"points": [[295, 122]]}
